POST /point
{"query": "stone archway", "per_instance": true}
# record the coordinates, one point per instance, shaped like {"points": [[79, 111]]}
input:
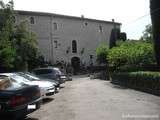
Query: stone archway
{"points": [[75, 62]]}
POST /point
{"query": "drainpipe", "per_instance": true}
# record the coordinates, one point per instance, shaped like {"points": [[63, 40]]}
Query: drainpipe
{"points": [[115, 30]]}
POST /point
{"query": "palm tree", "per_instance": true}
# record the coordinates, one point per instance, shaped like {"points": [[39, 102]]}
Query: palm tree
{"points": [[155, 17]]}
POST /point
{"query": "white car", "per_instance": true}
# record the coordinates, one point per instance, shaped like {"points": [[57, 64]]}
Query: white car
{"points": [[47, 88]]}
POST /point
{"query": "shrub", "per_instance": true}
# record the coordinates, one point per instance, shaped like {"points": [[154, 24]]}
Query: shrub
{"points": [[138, 53], [101, 53], [145, 81]]}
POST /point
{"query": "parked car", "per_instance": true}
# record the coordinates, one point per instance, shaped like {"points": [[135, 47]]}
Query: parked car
{"points": [[47, 88], [17, 100], [50, 73], [33, 77], [63, 76]]}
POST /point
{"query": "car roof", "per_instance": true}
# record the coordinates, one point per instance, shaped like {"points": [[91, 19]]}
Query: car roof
{"points": [[53, 68]]}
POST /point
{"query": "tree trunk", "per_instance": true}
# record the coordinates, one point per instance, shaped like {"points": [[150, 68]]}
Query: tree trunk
{"points": [[155, 17]]}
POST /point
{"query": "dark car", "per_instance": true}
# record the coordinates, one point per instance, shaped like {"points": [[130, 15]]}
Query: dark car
{"points": [[50, 73], [16, 101]]}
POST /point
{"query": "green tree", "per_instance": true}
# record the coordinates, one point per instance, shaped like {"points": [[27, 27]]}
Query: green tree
{"points": [[131, 53], [7, 51], [101, 53], [155, 12], [18, 46], [147, 33], [26, 46]]}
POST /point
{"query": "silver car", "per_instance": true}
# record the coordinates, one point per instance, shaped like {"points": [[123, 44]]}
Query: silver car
{"points": [[50, 73]]}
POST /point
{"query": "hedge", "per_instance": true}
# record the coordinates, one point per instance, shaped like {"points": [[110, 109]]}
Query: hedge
{"points": [[142, 80]]}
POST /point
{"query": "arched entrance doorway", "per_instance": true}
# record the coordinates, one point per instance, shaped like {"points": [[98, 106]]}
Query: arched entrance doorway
{"points": [[75, 61]]}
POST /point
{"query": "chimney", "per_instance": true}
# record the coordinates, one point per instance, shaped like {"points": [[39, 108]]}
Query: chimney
{"points": [[82, 16]]}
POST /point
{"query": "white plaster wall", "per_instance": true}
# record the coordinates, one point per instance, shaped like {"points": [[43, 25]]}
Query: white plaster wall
{"points": [[42, 29], [87, 36]]}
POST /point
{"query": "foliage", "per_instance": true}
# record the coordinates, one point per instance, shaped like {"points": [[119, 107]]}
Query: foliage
{"points": [[101, 53], [25, 44], [7, 51], [131, 53], [7, 55], [145, 81], [147, 33], [18, 46], [123, 36]]}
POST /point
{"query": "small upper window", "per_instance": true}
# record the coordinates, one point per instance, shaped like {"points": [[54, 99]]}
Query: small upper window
{"points": [[32, 20], [55, 26], [74, 46], [56, 43], [86, 23], [100, 28], [91, 56]]}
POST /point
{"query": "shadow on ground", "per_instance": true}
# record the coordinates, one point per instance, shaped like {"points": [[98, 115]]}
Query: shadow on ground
{"points": [[61, 87], [47, 100], [25, 118], [28, 118], [79, 76], [119, 87], [116, 86]]}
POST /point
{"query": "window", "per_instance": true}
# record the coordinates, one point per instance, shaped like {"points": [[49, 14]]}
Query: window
{"points": [[91, 56], [91, 60], [55, 26], [56, 44], [100, 28], [32, 20], [86, 23], [74, 46]]}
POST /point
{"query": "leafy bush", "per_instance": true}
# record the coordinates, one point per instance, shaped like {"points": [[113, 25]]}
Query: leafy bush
{"points": [[145, 81], [138, 53], [101, 53], [7, 55]]}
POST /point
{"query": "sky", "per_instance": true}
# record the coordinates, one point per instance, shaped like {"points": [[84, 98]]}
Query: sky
{"points": [[133, 14]]}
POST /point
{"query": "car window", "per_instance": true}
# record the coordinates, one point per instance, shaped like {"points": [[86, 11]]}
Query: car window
{"points": [[43, 71]]}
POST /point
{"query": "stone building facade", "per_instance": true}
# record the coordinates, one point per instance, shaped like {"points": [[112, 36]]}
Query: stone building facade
{"points": [[68, 39]]}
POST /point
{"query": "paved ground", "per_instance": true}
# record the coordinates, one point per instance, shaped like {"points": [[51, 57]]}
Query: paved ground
{"points": [[85, 99]]}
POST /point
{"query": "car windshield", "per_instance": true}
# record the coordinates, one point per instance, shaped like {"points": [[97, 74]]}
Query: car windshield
{"points": [[31, 75], [28, 77], [42, 71], [19, 79]]}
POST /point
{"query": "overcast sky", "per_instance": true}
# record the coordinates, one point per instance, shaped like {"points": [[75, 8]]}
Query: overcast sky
{"points": [[127, 12]]}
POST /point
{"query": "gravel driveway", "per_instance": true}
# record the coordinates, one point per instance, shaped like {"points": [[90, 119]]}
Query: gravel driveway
{"points": [[93, 99]]}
